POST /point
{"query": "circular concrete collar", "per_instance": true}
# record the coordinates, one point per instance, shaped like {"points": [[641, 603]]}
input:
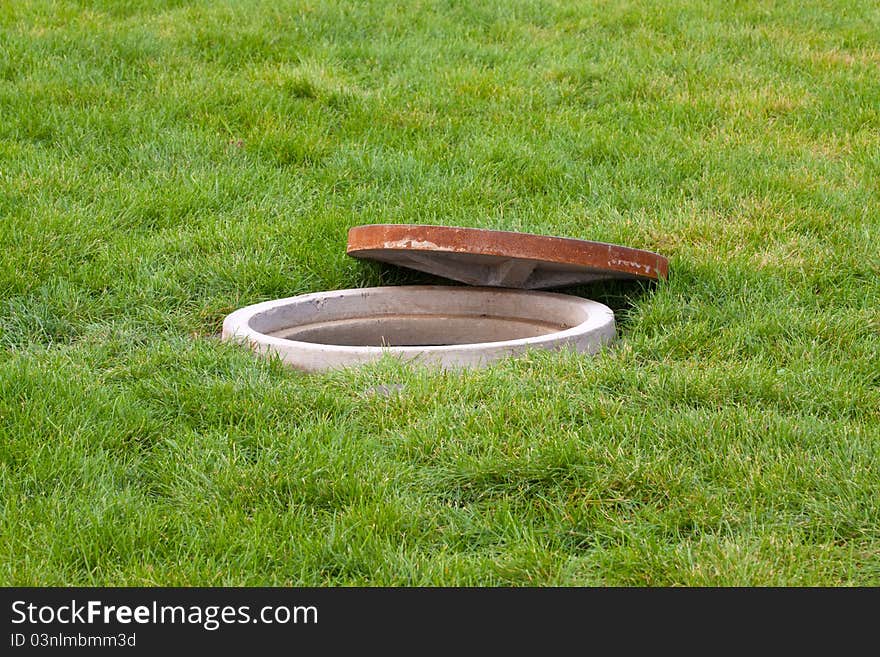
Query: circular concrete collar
{"points": [[502, 258], [444, 325]]}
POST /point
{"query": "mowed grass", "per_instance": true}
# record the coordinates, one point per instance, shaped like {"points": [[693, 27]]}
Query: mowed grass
{"points": [[163, 163]]}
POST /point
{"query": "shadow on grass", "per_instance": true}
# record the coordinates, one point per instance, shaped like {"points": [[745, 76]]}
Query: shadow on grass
{"points": [[621, 295]]}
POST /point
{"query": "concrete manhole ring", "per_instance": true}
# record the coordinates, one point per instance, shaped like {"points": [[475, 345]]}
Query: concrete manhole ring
{"points": [[450, 326]]}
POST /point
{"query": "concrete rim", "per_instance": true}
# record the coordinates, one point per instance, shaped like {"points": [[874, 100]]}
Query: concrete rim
{"points": [[588, 336]]}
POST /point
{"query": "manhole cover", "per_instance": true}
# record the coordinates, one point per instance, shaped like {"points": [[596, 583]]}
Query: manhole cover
{"points": [[502, 258]]}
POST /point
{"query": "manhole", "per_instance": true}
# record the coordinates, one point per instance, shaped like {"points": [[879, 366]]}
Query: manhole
{"points": [[449, 326]]}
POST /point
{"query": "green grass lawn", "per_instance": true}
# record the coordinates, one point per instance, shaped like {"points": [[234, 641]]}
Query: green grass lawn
{"points": [[163, 163]]}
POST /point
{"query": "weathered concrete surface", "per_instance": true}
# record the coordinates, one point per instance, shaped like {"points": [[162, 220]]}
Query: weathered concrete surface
{"points": [[444, 325]]}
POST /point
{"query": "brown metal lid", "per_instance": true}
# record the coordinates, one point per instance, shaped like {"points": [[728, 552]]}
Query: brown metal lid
{"points": [[502, 258]]}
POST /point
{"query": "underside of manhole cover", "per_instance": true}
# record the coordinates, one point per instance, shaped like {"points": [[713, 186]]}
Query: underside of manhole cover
{"points": [[502, 258]]}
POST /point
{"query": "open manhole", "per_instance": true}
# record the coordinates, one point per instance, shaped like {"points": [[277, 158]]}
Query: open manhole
{"points": [[445, 325], [449, 325]]}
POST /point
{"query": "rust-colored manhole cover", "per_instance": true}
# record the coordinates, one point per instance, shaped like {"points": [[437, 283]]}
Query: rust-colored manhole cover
{"points": [[501, 258]]}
